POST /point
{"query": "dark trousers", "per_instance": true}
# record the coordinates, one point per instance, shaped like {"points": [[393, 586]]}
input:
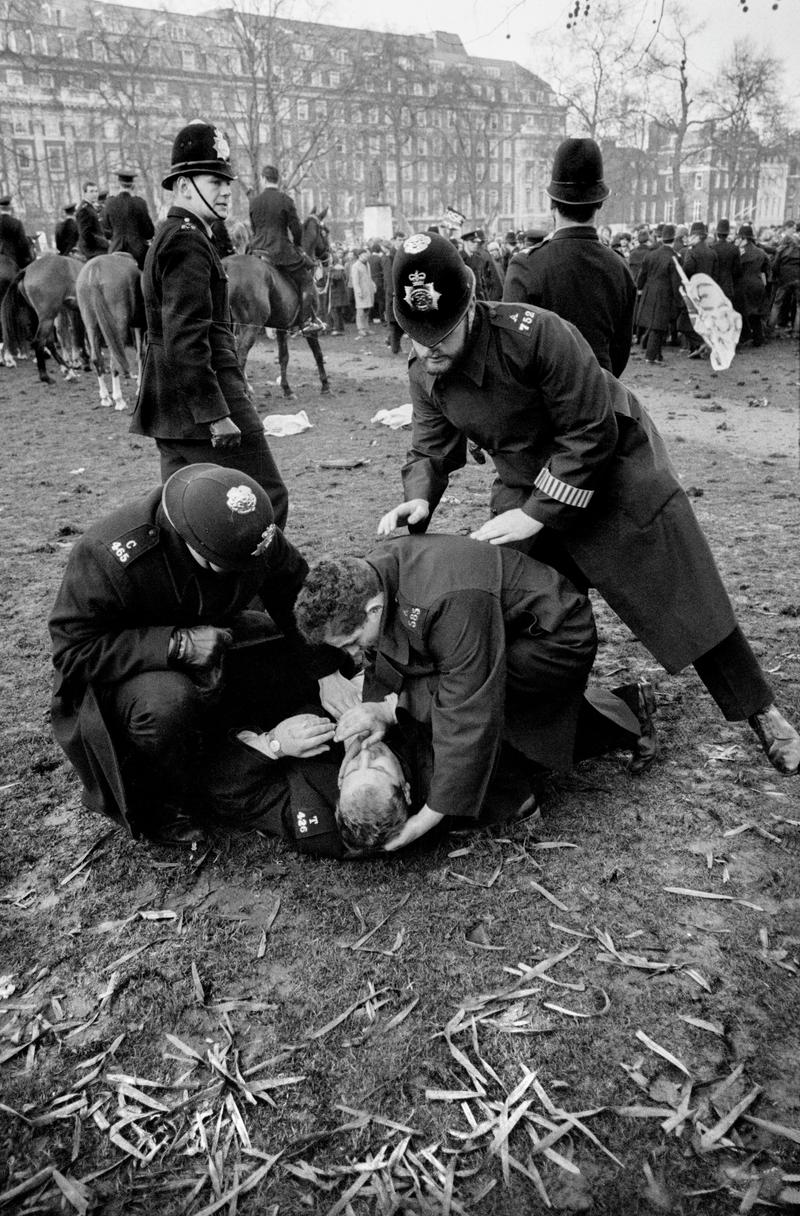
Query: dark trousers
{"points": [[395, 335], [730, 671], [252, 457], [654, 344], [337, 318]]}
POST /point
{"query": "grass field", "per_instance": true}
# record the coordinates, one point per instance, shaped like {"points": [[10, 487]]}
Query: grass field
{"points": [[595, 1012]]}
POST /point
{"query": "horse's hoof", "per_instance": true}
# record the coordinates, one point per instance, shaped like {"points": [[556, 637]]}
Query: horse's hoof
{"points": [[120, 405], [325, 389], [47, 380], [288, 395]]}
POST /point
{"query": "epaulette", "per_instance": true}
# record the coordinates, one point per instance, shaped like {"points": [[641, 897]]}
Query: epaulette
{"points": [[133, 544], [519, 318]]}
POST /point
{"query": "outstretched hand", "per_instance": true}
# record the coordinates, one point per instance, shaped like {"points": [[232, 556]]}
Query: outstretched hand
{"points": [[414, 827], [413, 512], [507, 527]]}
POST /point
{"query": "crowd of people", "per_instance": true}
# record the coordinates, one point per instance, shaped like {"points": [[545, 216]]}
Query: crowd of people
{"points": [[207, 671]]}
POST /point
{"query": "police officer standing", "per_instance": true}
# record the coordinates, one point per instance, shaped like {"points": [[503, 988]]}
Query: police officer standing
{"points": [[14, 241], [92, 241], [583, 478], [66, 234], [574, 274], [277, 233], [127, 221], [193, 399]]}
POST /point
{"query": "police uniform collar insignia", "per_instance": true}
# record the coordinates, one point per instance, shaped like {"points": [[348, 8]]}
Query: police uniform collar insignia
{"points": [[241, 500], [267, 537], [421, 295], [221, 145]]}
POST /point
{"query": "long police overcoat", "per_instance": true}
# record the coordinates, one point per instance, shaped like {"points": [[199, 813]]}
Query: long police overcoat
{"points": [[468, 632], [128, 225], [191, 375], [698, 259], [577, 451], [751, 290], [659, 298], [729, 268], [577, 277], [66, 235], [129, 582]]}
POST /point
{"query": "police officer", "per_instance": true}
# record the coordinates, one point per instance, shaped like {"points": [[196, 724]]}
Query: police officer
{"points": [[583, 478], [277, 233], [145, 629], [193, 399], [66, 233], [489, 647], [91, 238], [127, 221], [574, 274], [14, 241], [488, 280]]}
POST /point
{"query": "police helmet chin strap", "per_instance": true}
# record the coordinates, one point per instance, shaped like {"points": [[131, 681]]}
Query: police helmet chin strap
{"points": [[203, 198]]}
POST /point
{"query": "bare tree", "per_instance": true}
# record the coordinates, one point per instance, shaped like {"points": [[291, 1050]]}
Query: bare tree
{"points": [[678, 110], [278, 101], [746, 103]]}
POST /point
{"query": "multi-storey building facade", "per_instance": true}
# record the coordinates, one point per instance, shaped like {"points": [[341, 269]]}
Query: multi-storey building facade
{"points": [[351, 117]]}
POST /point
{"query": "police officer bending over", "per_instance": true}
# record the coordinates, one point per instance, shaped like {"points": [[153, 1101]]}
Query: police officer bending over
{"points": [[583, 482], [153, 652]]}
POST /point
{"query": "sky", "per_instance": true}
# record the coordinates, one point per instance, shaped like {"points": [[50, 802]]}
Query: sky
{"points": [[522, 29]]}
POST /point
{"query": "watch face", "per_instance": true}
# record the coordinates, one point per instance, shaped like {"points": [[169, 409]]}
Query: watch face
{"points": [[274, 746]]}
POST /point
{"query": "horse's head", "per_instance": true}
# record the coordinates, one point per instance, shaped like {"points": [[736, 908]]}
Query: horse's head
{"points": [[316, 241]]}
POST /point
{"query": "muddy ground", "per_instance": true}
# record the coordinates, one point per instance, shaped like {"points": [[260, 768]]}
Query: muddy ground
{"points": [[613, 1046]]}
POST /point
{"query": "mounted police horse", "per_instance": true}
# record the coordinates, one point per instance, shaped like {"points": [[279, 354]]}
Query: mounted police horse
{"points": [[110, 299], [262, 297], [39, 303]]}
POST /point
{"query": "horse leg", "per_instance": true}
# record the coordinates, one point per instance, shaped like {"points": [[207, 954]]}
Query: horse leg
{"points": [[316, 350], [116, 389], [138, 343], [65, 336], [283, 362]]}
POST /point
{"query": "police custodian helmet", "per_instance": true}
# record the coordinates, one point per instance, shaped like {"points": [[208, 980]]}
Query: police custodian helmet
{"points": [[433, 287], [200, 147], [221, 513]]}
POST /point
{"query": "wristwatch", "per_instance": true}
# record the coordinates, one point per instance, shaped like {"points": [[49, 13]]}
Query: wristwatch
{"points": [[274, 745]]}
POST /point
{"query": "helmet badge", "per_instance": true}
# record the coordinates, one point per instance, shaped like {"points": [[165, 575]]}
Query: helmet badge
{"points": [[241, 500], [421, 295]]}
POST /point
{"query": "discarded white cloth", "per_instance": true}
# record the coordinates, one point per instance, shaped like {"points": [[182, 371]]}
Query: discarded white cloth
{"points": [[286, 424], [399, 416]]}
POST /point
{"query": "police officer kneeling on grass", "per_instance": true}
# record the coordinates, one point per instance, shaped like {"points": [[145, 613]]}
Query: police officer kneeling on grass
{"points": [[489, 649], [584, 481], [154, 653]]}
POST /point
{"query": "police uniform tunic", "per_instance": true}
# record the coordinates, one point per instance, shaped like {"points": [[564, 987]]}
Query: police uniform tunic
{"points": [[191, 374], [277, 230], [576, 451], [577, 277], [487, 645], [130, 581], [14, 243], [128, 224], [66, 235], [91, 238]]}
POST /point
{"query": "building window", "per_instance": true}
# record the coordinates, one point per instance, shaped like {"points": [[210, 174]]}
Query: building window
{"points": [[669, 207], [302, 111], [698, 181], [697, 210]]}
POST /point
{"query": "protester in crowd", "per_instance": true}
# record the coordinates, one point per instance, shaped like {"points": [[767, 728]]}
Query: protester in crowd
{"points": [[363, 286], [92, 241], [659, 297], [751, 291]]}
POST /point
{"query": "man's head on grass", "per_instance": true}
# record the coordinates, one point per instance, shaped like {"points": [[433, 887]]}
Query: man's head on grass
{"points": [[374, 798]]}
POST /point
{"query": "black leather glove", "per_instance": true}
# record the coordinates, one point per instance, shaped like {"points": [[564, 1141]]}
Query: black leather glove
{"points": [[201, 646], [224, 433]]}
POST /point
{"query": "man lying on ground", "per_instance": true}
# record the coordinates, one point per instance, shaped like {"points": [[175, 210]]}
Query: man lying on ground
{"points": [[488, 646]]}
